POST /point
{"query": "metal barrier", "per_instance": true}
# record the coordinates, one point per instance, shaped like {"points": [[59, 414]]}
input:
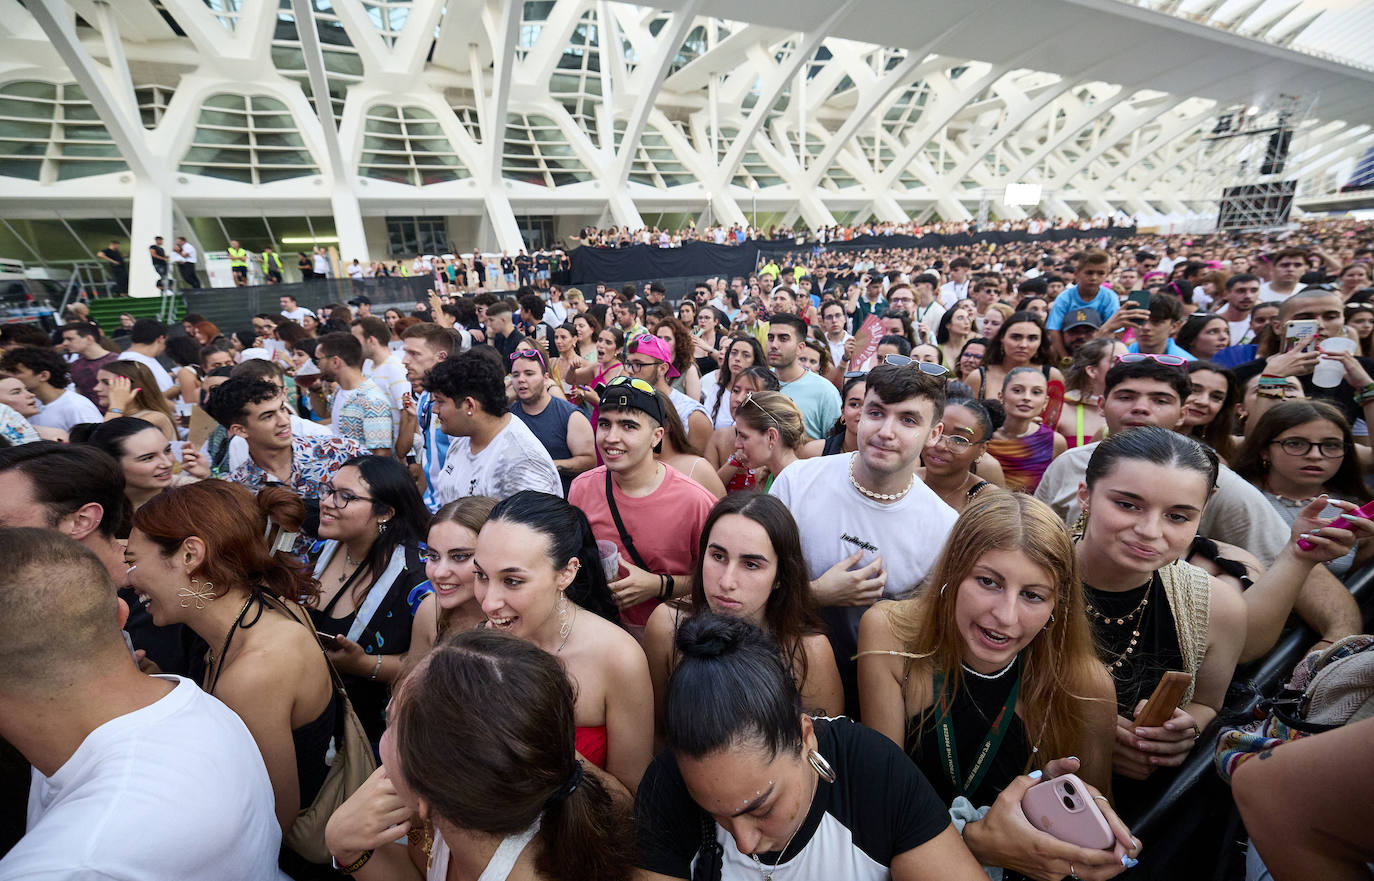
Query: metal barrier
{"points": [[233, 308], [1197, 786]]}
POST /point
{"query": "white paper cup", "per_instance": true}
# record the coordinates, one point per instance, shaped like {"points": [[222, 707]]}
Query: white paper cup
{"points": [[1329, 372], [610, 558]]}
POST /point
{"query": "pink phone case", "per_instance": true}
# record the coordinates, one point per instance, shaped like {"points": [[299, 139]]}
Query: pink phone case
{"points": [[1064, 808], [1363, 511]]}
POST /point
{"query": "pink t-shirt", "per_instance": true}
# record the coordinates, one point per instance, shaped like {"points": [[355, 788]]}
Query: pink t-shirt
{"points": [[665, 525]]}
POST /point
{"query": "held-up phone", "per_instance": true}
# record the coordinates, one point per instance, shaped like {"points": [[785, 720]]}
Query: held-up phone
{"points": [[1296, 332], [1164, 700], [1364, 511], [1138, 300], [1064, 807]]}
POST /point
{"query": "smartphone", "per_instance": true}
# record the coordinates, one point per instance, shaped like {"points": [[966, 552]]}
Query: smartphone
{"points": [[325, 638], [1064, 807], [1296, 332], [1365, 511], [1138, 300], [1164, 700]]}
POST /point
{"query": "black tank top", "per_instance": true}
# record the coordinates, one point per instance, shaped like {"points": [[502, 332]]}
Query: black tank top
{"points": [[976, 704]]}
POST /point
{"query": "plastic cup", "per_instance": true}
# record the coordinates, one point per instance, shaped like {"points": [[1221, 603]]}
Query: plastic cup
{"points": [[610, 558], [1330, 372]]}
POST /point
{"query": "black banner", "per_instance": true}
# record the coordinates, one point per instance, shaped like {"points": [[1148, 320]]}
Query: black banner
{"points": [[706, 260]]}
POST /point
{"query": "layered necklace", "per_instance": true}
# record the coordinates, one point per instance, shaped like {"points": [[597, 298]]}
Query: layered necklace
{"points": [[1134, 618], [881, 497]]}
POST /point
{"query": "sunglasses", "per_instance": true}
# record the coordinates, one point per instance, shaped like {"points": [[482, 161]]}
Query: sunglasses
{"points": [[925, 367], [632, 382], [749, 399], [532, 354], [1138, 357]]}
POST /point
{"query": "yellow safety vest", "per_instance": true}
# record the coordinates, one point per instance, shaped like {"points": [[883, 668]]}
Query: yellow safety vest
{"points": [[238, 257], [276, 258]]}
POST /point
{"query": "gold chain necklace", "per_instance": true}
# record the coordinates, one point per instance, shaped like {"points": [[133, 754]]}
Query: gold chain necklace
{"points": [[1138, 612]]}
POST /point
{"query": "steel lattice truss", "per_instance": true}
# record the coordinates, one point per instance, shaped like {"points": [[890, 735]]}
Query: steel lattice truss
{"points": [[585, 106]]}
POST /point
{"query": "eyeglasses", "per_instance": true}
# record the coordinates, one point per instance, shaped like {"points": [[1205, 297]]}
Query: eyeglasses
{"points": [[1297, 446], [972, 356], [925, 367], [532, 354], [636, 366], [341, 498], [957, 442], [1138, 357], [633, 382]]}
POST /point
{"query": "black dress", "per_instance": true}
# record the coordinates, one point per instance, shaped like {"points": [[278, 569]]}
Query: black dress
{"points": [[976, 705], [386, 633], [1155, 652]]}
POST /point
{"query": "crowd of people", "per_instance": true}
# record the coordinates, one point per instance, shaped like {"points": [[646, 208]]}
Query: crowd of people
{"points": [[815, 573], [739, 233]]}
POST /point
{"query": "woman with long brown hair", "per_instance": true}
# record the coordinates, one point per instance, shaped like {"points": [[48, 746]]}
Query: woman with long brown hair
{"points": [[199, 556], [479, 766], [750, 565], [448, 552], [999, 632], [127, 388]]}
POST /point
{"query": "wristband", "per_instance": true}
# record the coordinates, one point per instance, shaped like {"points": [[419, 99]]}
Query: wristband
{"points": [[377, 669], [353, 866]]}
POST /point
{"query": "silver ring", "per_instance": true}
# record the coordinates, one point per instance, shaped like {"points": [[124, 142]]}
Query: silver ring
{"points": [[1072, 873]]}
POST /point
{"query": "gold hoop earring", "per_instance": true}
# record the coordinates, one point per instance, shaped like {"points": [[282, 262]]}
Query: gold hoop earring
{"points": [[195, 592]]}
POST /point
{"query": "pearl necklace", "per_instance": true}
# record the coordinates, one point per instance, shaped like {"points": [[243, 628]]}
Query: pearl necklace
{"points": [[989, 676], [881, 497]]}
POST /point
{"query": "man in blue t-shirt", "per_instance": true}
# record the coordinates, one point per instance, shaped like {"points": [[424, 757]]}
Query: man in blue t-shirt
{"points": [[1156, 335], [1087, 292]]}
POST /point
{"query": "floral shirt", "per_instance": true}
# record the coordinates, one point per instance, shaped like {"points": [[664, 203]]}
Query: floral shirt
{"points": [[313, 463], [364, 415]]}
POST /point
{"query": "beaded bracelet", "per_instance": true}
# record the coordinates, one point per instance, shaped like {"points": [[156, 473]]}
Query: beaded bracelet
{"points": [[353, 866]]}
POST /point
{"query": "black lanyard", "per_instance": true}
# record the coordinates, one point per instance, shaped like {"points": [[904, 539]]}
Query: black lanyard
{"points": [[625, 539], [949, 752]]}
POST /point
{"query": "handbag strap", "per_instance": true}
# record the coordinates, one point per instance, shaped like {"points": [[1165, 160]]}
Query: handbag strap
{"points": [[620, 527]]}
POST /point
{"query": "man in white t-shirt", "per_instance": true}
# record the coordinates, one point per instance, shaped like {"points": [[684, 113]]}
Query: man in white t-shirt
{"points": [[291, 310], [45, 373], [382, 364], [134, 776], [833, 320], [1285, 271], [320, 263], [957, 288], [869, 527], [148, 340], [493, 453], [1239, 299]]}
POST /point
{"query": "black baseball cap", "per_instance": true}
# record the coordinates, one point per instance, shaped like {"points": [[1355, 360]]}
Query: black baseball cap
{"points": [[629, 393], [1081, 318]]}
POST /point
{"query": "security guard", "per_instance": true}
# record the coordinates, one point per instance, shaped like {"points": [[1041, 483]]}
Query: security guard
{"points": [[271, 265], [238, 262]]}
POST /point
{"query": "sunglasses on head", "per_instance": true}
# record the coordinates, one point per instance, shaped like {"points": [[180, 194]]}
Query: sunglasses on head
{"points": [[925, 367], [632, 382], [532, 354], [1138, 357]]}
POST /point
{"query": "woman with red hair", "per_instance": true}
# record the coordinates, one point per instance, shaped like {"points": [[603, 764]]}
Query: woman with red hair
{"points": [[198, 557]]}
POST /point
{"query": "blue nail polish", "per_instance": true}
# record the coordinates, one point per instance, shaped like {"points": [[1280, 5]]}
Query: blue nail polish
{"points": [[1072, 758], [1129, 863], [1036, 775]]}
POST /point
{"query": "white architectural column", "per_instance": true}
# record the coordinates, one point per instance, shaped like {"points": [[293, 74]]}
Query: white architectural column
{"points": [[152, 217], [348, 225], [502, 219]]}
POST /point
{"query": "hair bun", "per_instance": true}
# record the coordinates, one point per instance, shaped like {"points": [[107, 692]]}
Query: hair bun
{"points": [[709, 635]]}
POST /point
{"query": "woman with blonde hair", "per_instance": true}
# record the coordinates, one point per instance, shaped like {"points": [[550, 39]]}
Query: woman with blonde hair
{"points": [[999, 633], [769, 433]]}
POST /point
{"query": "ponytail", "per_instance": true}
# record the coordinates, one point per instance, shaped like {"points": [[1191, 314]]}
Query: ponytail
{"points": [[583, 833]]}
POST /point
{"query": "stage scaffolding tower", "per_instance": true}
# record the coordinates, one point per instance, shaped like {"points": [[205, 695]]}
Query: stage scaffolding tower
{"points": [[1244, 158]]}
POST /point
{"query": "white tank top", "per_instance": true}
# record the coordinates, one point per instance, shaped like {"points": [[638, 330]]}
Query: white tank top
{"points": [[499, 869]]}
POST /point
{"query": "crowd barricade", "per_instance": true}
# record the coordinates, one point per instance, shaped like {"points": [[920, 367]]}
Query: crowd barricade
{"points": [[233, 308], [1196, 812]]}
